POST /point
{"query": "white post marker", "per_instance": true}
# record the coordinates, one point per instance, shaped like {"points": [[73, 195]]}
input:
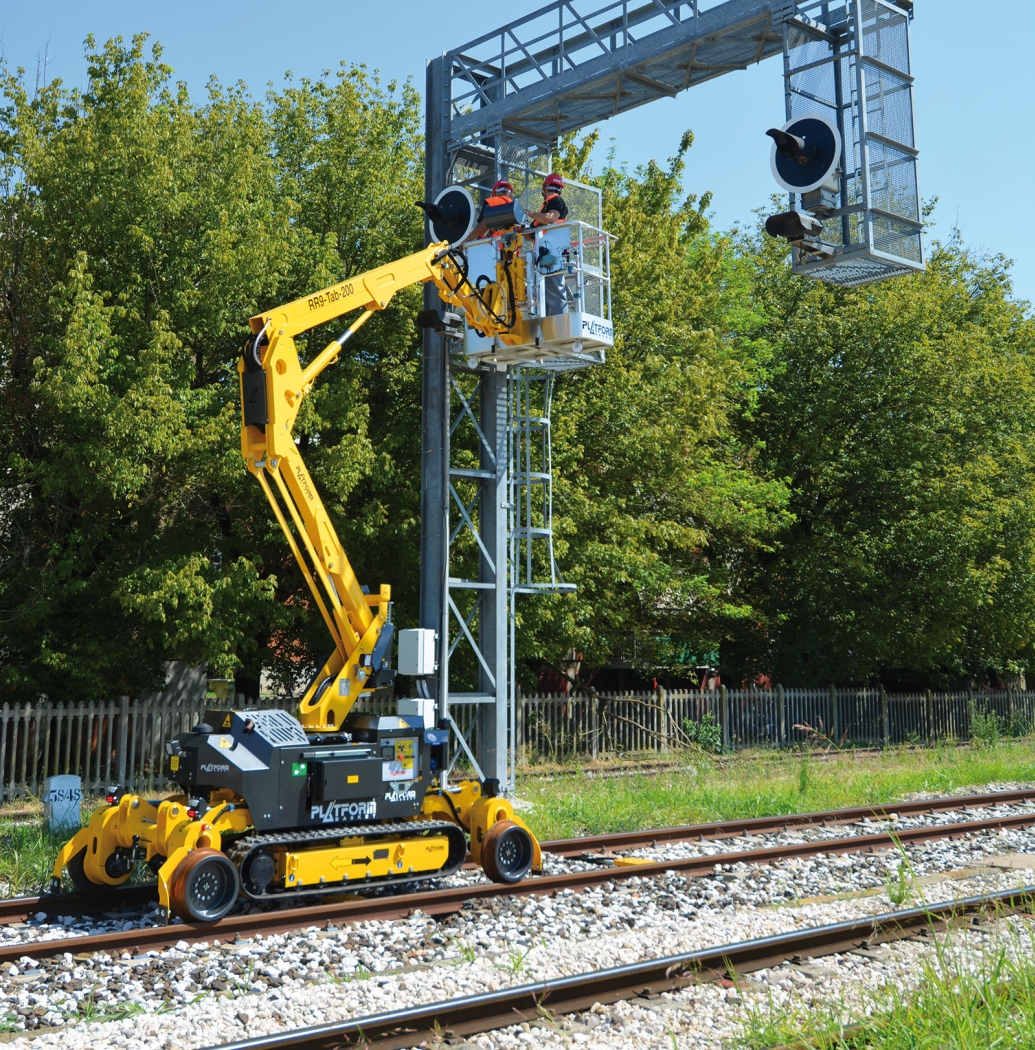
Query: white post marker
{"points": [[62, 797]]}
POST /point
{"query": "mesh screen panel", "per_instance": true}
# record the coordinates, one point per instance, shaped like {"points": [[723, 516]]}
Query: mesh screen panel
{"points": [[833, 230], [848, 231], [852, 271], [278, 727], [889, 104], [856, 193], [584, 202], [835, 65], [885, 35], [892, 180], [896, 238], [804, 49], [851, 132], [814, 89]]}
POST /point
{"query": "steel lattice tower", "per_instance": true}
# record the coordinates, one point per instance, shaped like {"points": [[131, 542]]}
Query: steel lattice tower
{"points": [[498, 105]]}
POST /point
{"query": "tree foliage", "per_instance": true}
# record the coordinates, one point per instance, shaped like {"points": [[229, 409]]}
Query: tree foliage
{"points": [[820, 484], [659, 502], [903, 416], [140, 230]]}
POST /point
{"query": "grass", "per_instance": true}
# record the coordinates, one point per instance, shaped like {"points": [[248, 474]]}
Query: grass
{"points": [[515, 962], [962, 1000], [27, 852], [899, 886], [705, 788], [708, 788]]}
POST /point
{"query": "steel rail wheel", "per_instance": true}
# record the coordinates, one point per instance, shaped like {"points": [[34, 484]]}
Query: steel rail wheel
{"points": [[506, 852], [204, 886]]}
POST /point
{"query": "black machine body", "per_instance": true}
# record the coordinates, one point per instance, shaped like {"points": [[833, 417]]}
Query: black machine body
{"points": [[377, 770]]}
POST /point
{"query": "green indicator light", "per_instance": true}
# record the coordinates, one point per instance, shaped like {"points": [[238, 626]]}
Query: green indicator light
{"points": [[299, 769]]}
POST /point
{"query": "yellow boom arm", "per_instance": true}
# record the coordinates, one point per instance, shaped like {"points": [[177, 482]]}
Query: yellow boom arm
{"points": [[273, 384]]}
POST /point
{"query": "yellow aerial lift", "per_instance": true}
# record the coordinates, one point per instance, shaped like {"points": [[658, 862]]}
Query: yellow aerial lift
{"points": [[335, 799]]}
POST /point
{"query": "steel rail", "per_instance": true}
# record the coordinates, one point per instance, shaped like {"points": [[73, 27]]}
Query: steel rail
{"points": [[450, 900], [470, 1015], [759, 825], [21, 909]]}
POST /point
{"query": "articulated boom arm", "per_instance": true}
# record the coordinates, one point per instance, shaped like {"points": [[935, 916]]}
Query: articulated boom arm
{"points": [[273, 385]]}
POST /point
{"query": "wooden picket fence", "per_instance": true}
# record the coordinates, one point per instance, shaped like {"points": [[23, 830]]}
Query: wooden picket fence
{"points": [[122, 741], [114, 742]]}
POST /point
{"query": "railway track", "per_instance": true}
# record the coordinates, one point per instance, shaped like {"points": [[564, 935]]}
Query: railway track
{"points": [[765, 825], [457, 1018], [449, 900], [22, 909]]}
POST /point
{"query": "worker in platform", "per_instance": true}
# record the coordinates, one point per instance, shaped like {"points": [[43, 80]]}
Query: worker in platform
{"points": [[502, 193], [554, 210]]}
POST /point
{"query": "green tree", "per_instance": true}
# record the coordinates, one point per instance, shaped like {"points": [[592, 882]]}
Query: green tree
{"points": [[139, 232], [659, 504], [350, 153], [903, 415], [827, 484]]}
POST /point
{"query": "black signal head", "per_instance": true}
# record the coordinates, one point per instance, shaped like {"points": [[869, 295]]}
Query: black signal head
{"points": [[791, 147], [503, 216], [451, 216], [794, 226], [806, 152]]}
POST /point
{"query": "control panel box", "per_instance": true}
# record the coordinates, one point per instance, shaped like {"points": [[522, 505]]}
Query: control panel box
{"points": [[417, 652]]}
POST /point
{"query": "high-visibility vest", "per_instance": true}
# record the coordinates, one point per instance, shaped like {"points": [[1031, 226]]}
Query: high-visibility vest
{"points": [[491, 202], [546, 206]]}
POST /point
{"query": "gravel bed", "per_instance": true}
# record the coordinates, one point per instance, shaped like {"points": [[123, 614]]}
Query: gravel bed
{"points": [[792, 880], [713, 1016], [283, 982], [200, 995]]}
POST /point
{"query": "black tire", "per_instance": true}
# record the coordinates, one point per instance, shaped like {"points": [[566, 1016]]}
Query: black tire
{"points": [[81, 881], [507, 852], [204, 886]]}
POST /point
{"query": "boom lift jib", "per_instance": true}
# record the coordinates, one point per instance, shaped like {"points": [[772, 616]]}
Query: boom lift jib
{"points": [[273, 386]]}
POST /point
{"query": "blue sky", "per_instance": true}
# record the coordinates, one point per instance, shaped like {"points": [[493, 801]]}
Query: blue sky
{"points": [[974, 96]]}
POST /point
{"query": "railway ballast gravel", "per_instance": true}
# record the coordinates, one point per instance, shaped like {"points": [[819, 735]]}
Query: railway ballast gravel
{"points": [[492, 941]]}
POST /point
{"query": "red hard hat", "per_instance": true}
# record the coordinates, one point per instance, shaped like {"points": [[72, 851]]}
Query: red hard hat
{"points": [[502, 184], [553, 181]]}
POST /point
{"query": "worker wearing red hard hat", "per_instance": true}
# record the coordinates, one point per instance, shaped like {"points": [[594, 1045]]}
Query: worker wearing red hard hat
{"points": [[502, 193], [554, 210]]}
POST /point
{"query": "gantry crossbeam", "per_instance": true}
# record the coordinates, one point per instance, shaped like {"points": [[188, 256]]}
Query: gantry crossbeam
{"points": [[564, 67]]}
